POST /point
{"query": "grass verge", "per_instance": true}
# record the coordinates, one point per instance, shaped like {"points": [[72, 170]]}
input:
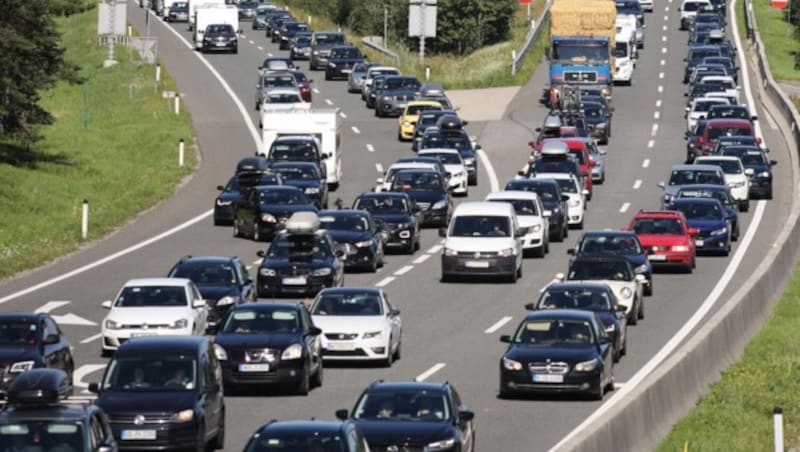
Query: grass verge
{"points": [[778, 37], [124, 161], [486, 67]]}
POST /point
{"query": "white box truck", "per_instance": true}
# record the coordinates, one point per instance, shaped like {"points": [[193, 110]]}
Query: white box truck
{"points": [[193, 4], [322, 123], [211, 14]]}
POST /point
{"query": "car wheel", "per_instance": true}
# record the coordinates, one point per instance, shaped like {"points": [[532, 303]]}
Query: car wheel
{"points": [[735, 233], [604, 140], [373, 266], [640, 314], [633, 317], [745, 206], [317, 382], [769, 194], [602, 178], [256, 232], [512, 278], [236, 231], [387, 362], [200, 439], [304, 386], [327, 75], [397, 353], [505, 394], [539, 252], [599, 391], [106, 353], [219, 440], [624, 350], [648, 289]]}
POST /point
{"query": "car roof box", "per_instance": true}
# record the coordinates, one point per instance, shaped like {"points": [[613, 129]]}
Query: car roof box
{"points": [[39, 387], [303, 223], [449, 122], [554, 148]]}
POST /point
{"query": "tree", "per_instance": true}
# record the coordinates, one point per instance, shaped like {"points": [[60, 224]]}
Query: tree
{"points": [[30, 61]]}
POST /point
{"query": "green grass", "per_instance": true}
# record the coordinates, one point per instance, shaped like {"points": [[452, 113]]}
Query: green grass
{"points": [[123, 162], [736, 414], [486, 67], [741, 5], [779, 40]]}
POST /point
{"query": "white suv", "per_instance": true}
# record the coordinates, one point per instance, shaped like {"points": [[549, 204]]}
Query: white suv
{"points": [[483, 239], [737, 178], [531, 216]]}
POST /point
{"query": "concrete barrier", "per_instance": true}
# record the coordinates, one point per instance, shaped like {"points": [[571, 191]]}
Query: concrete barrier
{"points": [[640, 420]]}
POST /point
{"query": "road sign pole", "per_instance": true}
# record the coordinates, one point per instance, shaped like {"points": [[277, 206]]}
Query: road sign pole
{"points": [[422, 30]]}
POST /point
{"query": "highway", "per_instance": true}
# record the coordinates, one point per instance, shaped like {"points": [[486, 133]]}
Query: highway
{"points": [[451, 330]]}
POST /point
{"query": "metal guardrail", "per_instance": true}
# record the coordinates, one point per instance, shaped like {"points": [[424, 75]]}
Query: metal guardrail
{"points": [[372, 43], [517, 58]]}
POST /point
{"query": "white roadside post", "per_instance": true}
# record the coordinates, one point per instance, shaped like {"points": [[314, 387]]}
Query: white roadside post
{"points": [[427, 73], [177, 104], [158, 73], [513, 62], [85, 219], [181, 145], [777, 418]]}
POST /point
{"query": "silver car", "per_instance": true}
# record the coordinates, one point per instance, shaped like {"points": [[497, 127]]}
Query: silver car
{"points": [[355, 81], [273, 80]]}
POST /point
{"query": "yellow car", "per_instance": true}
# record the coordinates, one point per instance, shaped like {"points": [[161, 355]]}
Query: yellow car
{"points": [[407, 122]]}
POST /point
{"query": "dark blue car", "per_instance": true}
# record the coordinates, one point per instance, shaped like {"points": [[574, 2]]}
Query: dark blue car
{"points": [[429, 191], [720, 192], [341, 61], [265, 210], [616, 243], [308, 177], [755, 158], [307, 435], [708, 217]]}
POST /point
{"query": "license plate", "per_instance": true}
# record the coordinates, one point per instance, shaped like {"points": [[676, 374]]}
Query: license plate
{"points": [[699, 243], [476, 264], [341, 346], [298, 281], [253, 367], [220, 44], [143, 334], [346, 71], [128, 435], [657, 257], [547, 378]]}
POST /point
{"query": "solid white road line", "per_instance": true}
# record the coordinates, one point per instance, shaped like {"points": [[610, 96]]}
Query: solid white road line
{"points": [[404, 270], [51, 305], [624, 207], [637, 183], [495, 186], [435, 249], [355, 130], [370, 148], [645, 163], [424, 375], [497, 325], [92, 338], [385, 281], [422, 258]]}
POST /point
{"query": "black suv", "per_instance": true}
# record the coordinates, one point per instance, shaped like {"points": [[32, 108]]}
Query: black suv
{"points": [[271, 343], [307, 435], [321, 44], [38, 416], [399, 215], [223, 282], [429, 191], [360, 235], [341, 61], [31, 340], [413, 416], [164, 392], [220, 37], [265, 210]]}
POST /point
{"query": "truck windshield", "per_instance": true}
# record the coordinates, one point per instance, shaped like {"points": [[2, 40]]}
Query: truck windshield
{"points": [[580, 52]]}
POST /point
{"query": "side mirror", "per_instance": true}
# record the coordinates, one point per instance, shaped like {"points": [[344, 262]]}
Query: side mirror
{"points": [[314, 331], [220, 187], [478, 147], [571, 251], [106, 304], [505, 339], [341, 415], [560, 276], [758, 140], [754, 118], [379, 180], [442, 232], [261, 253], [619, 308], [324, 156], [200, 303], [415, 208], [538, 129], [749, 172], [688, 109], [466, 416], [565, 198], [51, 339], [530, 306], [773, 162], [693, 231], [661, 184], [94, 387], [520, 173], [394, 312]]}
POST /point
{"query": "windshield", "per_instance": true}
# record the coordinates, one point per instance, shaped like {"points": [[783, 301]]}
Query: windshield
{"points": [[693, 6], [567, 185], [579, 53], [297, 172], [546, 192], [594, 111], [621, 50], [286, 98], [417, 181], [698, 211], [325, 39], [18, 333], [730, 112], [297, 442], [670, 226], [728, 166], [521, 206], [716, 132], [302, 41], [686, 177], [593, 270], [704, 105], [357, 223], [376, 72], [281, 198], [416, 109], [262, 321], [219, 29], [720, 195], [206, 274], [599, 244], [447, 158], [447, 141], [149, 373], [584, 299], [699, 55], [554, 332], [151, 296], [299, 247], [549, 165], [480, 226], [401, 83], [428, 119], [348, 304], [251, 180], [303, 151], [42, 436], [350, 52], [406, 406], [296, 26], [382, 205]]}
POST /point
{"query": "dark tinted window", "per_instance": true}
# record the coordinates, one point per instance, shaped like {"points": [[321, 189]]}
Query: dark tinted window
{"points": [[151, 296], [262, 321], [206, 274]]}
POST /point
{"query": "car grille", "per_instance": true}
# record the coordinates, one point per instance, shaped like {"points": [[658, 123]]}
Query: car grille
{"points": [[294, 271], [580, 77], [266, 355], [145, 326], [149, 418], [477, 254], [341, 336], [404, 97], [557, 368]]}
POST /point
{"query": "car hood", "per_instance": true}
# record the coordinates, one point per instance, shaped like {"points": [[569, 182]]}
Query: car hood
{"points": [[398, 92], [113, 402], [302, 183], [149, 314], [572, 353], [236, 341], [13, 354], [411, 433], [706, 225], [350, 324], [341, 236], [526, 221], [345, 60], [428, 196], [479, 244], [284, 209], [213, 293]]}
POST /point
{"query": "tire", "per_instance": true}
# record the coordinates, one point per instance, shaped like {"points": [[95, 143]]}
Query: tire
{"points": [[633, 318], [106, 353], [745, 206], [411, 247], [200, 440], [219, 440], [387, 362], [373, 266], [256, 233], [318, 377], [640, 314], [598, 392], [624, 350], [235, 51], [512, 278], [580, 225], [539, 252], [735, 233], [397, 353], [304, 386], [445, 278], [236, 231], [560, 236], [648, 289]]}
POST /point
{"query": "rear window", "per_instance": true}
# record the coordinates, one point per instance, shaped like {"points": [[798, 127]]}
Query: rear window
{"points": [[716, 132]]}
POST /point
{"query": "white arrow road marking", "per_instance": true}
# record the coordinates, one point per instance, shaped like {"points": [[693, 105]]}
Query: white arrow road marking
{"points": [[51, 306], [72, 319], [82, 372]]}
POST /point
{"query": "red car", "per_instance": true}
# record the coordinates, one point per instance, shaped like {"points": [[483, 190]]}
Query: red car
{"points": [[716, 128], [666, 236], [579, 151], [304, 85]]}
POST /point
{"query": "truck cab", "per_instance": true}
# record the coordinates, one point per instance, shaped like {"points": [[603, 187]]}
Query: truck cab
{"points": [[576, 60]]}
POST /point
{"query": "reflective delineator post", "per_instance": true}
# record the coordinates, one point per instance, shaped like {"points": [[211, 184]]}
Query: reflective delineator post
{"points": [[180, 152], [85, 219], [777, 419]]}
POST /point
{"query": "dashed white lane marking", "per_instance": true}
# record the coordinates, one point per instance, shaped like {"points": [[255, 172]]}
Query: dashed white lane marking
{"points": [[656, 115], [499, 324], [660, 89], [624, 207], [248, 267], [328, 101], [664, 39], [658, 103], [660, 75], [664, 28], [663, 62], [92, 338], [663, 50], [243, 36], [251, 42], [316, 91], [269, 54], [422, 258], [355, 130], [370, 148], [645, 163], [344, 116], [651, 143], [637, 184], [666, 18], [435, 249], [260, 48], [379, 167], [425, 375], [404, 270], [666, 9], [654, 130], [385, 281]]}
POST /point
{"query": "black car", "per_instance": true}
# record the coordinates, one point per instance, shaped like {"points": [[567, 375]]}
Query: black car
{"points": [[302, 260], [693, 137], [616, 243], [270, 344], [723, 142], [288, 31], [589, 296], [558, 350], [164, 392], [38, 417], [274, 19], [598, 120], [755, 158], [413, 416], [306, 176], [300, 46], [236, 189], [399, 215], [695, 56], [223, 282], [429, 191], [397, 91], [265, 210], [427, 118], [425, 159], [321, 44], [307, 436], [31, 340], [341, 61], [453, 139], [359, 235], [553, 200], [297, 148], [374, 90], [220, 37]]}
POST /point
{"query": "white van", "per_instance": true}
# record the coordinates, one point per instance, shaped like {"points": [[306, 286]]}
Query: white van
{"points": [[625, 55], [483, 239]]}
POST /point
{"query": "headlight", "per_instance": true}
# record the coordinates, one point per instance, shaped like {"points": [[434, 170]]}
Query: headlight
{"points": [[332, 65], [267, 272], [294, 351], [312, 190], [719, 231], [586, 366], [764, 174], [225, 301], [536, 228], [439, 204], [325, 271], [469, 161], [680, 248], [223, 203], [267, 218], [573, 203], [736, 184], [386, 98], [450, 252], [626, 292], [668, 198], [181, 323], [611, 328], [364, 243], [640, 269], [220, 352], [183, 416], [507, 252], [406, 124], [112, 325], [444, 444], [510, 364], [316, 52], [372, 334], [21, 366]]}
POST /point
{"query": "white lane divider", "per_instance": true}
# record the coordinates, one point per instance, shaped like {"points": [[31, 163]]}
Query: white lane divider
{"points": [[370, 148], [645, 163], [499, 324], [495, 186], [660, 75], [656, 115], [243, 37], [624, 207], [664, 28], [663, 62], [435, 249], [654, 130], [379, 167], [660, 89], [269, 54], [427, 374], [651, 143], [637, 184], [328, 101], [316, 91], [385, 281], [666, 18], [355, 130], [344, 116], [658, 103], [92, 338], [402, 271], [422, 258], [50, 306], [251, 41], [663, 50], [666, 9], [260, 48]]}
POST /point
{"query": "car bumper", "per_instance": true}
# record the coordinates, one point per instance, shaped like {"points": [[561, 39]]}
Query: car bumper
{"points": [[112, 339], [168, 436], [575, 215], [662, 258], [533, 240], [391, 108], [573, 382], [338, 72], [281, 373], [407, 132], [272, 286], [360, 257], [219, 46], [760, 187], [469, 266], [359, 350], [714, 243], [355, 85]]}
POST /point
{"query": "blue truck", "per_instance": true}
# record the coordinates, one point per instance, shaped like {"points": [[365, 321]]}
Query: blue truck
{"points": [[584, 61]]}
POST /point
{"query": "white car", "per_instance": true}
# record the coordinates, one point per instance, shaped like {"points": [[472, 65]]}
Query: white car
{"points": [[570, 186], [689, 9], [373, 72], [737, 178], [531, 216], [358, 323], [153, 307], [699, 108], [625, 55], [647, 5], [453, 164], [384, 183]]}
